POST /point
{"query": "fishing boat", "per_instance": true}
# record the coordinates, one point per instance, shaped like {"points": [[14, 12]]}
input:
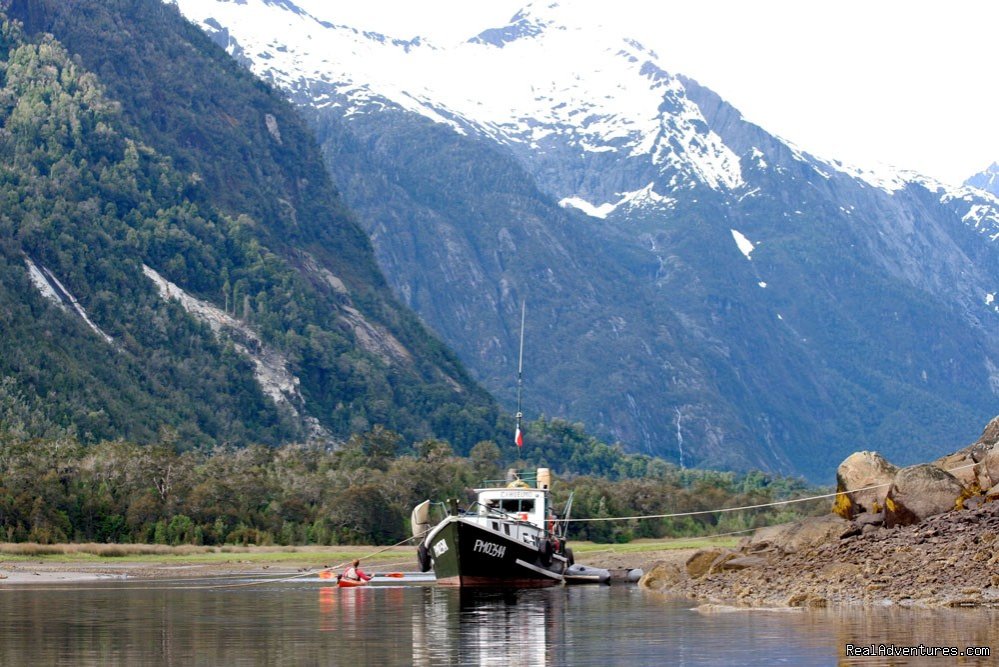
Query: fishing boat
{"points": [[509, 537]]}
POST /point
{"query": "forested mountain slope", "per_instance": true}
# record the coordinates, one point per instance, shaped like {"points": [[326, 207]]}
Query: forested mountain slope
{"points": [[173, 254]]}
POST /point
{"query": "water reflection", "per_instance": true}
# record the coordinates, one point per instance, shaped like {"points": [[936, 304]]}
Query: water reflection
{"points": [[317, 624], [481, 627]]}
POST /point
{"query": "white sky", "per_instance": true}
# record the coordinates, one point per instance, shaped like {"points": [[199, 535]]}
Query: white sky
{"points": [[911, 83]]}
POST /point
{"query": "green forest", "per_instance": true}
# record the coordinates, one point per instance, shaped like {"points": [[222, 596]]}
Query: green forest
{"points": [[59, 490]]}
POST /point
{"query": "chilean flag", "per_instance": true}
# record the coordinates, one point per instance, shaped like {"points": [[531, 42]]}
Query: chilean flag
{"points": [[518, 437]]}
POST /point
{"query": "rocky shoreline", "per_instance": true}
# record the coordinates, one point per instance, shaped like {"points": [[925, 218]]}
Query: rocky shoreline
{"points": [[892, 547]]}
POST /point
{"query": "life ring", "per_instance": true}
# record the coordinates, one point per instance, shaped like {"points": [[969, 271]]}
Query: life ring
{"points": [[546, 553], [423, 556]]}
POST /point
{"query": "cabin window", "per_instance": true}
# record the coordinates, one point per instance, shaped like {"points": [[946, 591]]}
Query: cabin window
{"points": [[517, 505]]}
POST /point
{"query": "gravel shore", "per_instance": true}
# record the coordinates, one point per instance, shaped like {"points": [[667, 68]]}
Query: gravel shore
{"points": [[949, 560]]}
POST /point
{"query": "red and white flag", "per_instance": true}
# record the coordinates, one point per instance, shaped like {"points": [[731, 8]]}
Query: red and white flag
{"points": [[518, 438]]}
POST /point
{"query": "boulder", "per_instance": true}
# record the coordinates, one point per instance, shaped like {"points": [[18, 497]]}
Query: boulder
{"points": [[984, 452], [988, 476], [862, 482], [809, 532], [921, 491], [990, 436], [663, 577], [699, 564], [963, 466]]}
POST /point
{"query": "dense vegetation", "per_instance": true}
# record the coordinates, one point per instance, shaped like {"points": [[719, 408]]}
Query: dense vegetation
{"points": [[171, 156], [58, 490]]}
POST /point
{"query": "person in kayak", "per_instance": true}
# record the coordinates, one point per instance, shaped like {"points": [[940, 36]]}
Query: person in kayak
{"points": [[354, 572]]}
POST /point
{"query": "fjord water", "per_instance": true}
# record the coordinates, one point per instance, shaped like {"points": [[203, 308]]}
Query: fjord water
{"points": [[314, 624]]}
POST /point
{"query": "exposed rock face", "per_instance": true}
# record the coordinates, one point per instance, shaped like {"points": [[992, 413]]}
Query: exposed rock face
{"points": [[862, 483], [919, 492]]}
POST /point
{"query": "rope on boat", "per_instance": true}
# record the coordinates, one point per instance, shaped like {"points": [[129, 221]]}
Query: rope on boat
{"points": [[738, 509]]}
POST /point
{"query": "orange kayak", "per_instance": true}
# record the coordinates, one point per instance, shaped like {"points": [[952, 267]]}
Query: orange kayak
{"points": [[350, 583]]}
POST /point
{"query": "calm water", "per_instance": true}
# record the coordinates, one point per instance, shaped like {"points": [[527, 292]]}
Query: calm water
{"points": [[313, 624]]}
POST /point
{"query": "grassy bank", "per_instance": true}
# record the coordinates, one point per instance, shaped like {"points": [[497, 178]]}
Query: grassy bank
{"points": [[305, 556], [193, 555]]}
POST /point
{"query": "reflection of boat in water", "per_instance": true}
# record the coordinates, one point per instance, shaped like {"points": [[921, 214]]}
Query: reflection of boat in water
{"points": [[487, 626], [508, 537]]}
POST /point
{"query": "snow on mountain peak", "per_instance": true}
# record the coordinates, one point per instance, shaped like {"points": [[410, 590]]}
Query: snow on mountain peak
{"points": [[538, 82], [530, 21]]}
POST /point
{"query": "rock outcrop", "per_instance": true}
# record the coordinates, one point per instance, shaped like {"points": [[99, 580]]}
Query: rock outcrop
{"points": [[862, 482], [921, 491], [930, 538]]}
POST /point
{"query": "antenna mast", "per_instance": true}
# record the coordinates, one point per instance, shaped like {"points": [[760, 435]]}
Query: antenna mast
{"points": [[518, 436]]}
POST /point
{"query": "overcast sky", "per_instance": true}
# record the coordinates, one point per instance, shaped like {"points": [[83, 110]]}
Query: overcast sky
{"points": [[909, 83]]}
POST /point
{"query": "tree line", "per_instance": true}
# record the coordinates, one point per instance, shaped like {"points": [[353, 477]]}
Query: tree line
{"points": [[60, 490]]}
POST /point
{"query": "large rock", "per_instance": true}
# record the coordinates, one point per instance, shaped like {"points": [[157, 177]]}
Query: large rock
{"points": [[809, 532], [699, 564], [964, 468], [862, 482], [919, 492], [664, 577], [990, 436], [988, 475], [977, 465]]}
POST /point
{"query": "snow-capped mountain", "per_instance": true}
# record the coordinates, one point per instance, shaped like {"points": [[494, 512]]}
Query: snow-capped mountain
{"points": [[540, 84], [987, 180], [700, 288]]}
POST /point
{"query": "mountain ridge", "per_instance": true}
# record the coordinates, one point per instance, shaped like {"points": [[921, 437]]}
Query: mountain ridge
{"points": [[650, 322]]}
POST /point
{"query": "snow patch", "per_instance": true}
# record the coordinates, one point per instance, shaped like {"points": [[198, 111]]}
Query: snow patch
{"points": [[601, 211], [644, 197], [746, 246]]}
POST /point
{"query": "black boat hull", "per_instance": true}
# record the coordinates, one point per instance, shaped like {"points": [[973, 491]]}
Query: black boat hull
{"points": [[465, 553]]}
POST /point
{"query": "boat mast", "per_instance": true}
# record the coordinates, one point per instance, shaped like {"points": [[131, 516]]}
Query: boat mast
{"points": [[518, 436]]}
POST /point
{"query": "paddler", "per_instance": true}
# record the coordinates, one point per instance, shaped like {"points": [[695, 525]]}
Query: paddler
{"points": [[354, 572]]}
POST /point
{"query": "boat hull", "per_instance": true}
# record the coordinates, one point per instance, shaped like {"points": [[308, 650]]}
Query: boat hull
{"points": [[465, 553]]}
